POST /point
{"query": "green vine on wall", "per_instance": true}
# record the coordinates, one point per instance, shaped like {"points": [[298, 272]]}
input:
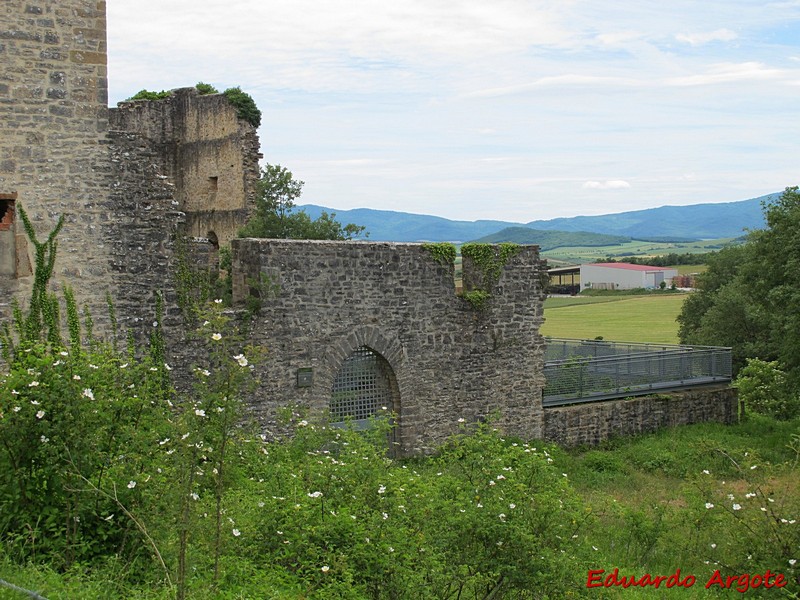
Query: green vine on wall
{"points": [[443, 252], [490, 259], [477, 298]]}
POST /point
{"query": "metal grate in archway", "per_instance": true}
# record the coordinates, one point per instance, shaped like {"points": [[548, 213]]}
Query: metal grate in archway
{"points": [[361, 389]]}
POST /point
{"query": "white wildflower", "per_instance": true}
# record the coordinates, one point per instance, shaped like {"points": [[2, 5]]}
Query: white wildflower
{"points": [[325, 568], [236, 532], [200, 412], [216, 337], [87, 393], [40, 414], [131, 484], [709, 505], [239, 358]]}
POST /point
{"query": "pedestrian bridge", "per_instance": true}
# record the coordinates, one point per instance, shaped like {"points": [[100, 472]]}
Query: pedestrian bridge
{"points": [[580, 371]]}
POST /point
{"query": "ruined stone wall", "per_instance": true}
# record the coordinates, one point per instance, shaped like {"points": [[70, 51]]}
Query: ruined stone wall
{"points": [[451, 361], [128, 180], [53, 148], [206, 151], [595, 422]]}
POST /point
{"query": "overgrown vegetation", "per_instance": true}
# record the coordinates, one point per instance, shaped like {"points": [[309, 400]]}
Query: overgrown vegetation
{"points": [[489, 259], [749, 297], [443, 252], [150, 95], [246, 107], [112, 484]]}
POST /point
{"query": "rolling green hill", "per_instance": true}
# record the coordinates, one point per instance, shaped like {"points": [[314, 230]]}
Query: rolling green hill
{"points": [[548, 240]]}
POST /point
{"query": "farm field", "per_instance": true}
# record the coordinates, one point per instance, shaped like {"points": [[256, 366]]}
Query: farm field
{"points": [[648, 318], [581, 254]]}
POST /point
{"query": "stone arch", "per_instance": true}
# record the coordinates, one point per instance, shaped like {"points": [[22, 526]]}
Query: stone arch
{"points": [[364, 387], [390, 359]]}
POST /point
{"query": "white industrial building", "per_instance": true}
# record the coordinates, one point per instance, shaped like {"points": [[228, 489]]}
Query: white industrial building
{"points": [[624, 276]]}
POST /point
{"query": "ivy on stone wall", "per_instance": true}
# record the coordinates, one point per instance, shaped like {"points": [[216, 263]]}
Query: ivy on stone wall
{"points": [[490, 259], [443, 252]]}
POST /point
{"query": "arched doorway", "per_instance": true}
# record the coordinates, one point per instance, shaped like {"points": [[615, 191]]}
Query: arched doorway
{"points": [[364, 387]]}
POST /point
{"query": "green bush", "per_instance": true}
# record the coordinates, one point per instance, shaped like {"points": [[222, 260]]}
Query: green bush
{"points": [[245, 105], [206, 88], [763, 388], [148, 95]]}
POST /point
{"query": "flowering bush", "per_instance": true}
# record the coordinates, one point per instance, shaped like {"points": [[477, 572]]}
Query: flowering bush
{"points": [[764, 388], [753, 518], [485, 514], [72, 420]]}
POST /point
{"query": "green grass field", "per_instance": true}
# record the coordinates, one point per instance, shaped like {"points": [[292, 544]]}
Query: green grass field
{"points": [[622, 318], [632, 248]]}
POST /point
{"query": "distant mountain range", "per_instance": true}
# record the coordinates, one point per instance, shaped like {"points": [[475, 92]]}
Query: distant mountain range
{"points": [[693, 222]]}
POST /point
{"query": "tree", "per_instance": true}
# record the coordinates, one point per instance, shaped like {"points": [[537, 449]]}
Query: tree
{"points": [[276, 217], [749, 298]]}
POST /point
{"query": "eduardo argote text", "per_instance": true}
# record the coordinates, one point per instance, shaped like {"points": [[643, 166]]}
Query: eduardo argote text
{"points": [[741, 583]]}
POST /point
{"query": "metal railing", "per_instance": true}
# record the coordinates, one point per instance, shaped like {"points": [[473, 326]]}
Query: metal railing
{"points": [[589, 370]]}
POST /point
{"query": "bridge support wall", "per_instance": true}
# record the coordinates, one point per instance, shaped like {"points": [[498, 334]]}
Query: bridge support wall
{"points": [[594, 422]]}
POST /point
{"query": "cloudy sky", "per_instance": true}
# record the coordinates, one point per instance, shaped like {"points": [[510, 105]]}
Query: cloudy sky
{"points": [[502, 109]]}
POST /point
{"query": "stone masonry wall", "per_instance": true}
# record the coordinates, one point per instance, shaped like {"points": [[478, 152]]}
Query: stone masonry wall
{"points": [[53, 152], [450, 360], [595, 422]]}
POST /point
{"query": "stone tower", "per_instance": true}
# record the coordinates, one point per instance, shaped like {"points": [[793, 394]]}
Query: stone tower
{"points": [[53, 139], [128, 180]]}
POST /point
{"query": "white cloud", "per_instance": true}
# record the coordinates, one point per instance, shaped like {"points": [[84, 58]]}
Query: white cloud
{"points": [[437, 106], [732, 73], [615, 184], [705, 37]]}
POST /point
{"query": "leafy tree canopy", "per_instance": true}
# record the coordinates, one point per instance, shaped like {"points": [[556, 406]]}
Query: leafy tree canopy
{"points": [[749, 298], [276, 217]]}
